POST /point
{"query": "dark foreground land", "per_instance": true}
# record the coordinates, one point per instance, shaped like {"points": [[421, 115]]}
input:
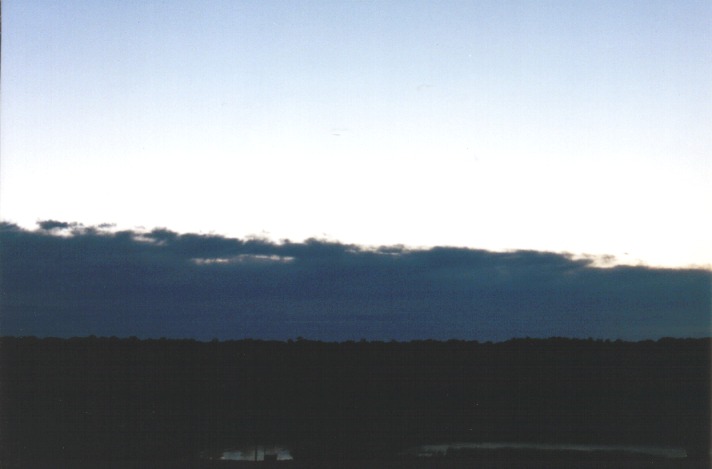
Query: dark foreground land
{"points": [[125, 403], [501, 463]]}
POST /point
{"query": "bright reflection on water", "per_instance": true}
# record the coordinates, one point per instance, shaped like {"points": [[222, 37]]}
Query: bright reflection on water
{"points": [[257, 453], [433, 450]]}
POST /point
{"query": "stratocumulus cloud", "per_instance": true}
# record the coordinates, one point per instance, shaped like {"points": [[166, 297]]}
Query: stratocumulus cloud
{"points": [[65, 279]]}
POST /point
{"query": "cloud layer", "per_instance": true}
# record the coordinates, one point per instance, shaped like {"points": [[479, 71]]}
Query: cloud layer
{"points": [[65, 279]]}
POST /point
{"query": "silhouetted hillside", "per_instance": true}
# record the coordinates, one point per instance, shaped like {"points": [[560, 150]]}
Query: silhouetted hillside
{"points": [[130, 399]]}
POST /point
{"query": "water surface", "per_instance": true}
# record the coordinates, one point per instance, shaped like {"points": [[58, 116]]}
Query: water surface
{"points": [[257, 453], [443, 448]]}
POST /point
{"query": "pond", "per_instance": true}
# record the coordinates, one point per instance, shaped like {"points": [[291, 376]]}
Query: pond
{"points": [[442, 448], [257, 453]]}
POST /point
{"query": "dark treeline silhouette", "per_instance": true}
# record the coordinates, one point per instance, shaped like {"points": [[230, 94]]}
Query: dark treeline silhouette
{"points": [[130, 399]]}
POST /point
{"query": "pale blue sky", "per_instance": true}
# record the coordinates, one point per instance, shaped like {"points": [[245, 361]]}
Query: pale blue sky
{"points": [[579, 126]]}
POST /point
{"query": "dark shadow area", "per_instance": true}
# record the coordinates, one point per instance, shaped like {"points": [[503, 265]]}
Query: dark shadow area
{"points": [[126, 400]]}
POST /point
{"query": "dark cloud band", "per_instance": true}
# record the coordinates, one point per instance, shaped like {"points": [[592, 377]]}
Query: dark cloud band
{"points": [[66, 279]]}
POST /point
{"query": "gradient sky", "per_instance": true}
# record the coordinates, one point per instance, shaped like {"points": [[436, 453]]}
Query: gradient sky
{"points": [[564, 126]]}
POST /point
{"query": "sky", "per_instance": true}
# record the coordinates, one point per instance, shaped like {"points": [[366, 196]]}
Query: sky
{"points": [[572, 127], [347, 169]]}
